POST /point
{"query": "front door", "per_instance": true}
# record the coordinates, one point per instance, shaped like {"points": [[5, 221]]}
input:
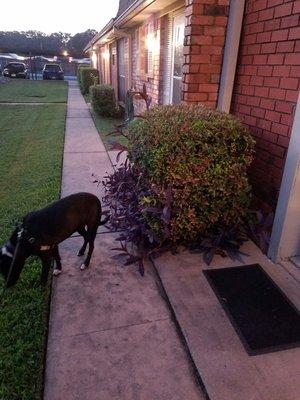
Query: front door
{"points": [[177, 58]]}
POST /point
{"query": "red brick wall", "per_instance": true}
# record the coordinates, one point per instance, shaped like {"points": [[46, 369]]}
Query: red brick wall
{"points": [[267, 85], [206, 22]]}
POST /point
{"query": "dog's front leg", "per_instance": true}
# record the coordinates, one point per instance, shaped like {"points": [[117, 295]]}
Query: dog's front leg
{"points": [[46, 264]]}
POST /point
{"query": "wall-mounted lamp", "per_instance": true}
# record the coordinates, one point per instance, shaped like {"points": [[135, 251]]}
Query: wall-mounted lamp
{"points": [[94, 59], [105, 55], [152, 42]]}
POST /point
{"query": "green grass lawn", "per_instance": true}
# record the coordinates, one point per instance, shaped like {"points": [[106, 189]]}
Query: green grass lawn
{"points": [[28, 91], [105, 126], [31, 145]]}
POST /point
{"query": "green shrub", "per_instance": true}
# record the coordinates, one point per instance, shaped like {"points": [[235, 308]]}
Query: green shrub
{"points": [[203, 156], [86, 78], [103, 100], [79, 73], [186, 183]]}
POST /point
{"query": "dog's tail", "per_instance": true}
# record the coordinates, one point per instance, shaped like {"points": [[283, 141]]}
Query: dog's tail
{"points": [[106, 219]]}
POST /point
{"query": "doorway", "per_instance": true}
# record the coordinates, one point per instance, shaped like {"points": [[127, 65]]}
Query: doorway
{"points": [[121, 70]]}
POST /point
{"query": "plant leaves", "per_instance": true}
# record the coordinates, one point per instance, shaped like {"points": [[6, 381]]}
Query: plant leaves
{"points": [[132, 260]]}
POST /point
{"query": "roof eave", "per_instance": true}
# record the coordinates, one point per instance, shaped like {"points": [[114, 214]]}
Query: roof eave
{"points": [[107, 33], [109, 26]]}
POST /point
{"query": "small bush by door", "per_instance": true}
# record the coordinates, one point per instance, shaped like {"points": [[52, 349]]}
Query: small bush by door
{"points": [[87, 77], [104, 101]]}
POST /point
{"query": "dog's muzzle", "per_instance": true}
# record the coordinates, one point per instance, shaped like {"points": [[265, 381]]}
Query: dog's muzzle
{"points": [[6, 252]]}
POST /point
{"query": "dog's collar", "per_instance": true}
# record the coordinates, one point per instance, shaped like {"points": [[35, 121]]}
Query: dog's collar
{"points": [[45, 248], [20, 232], [5, 252], [31, 240]]}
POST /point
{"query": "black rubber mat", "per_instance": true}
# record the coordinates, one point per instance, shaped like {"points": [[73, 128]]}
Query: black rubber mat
{"points": [[260, 312]]}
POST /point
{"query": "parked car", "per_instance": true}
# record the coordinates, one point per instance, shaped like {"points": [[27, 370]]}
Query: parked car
{"points": [[53, 71], [16, 70]]}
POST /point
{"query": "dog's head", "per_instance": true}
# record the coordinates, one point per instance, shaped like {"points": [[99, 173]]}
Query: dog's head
{"points": [[7, 253], [24, 247], [14, 253]]}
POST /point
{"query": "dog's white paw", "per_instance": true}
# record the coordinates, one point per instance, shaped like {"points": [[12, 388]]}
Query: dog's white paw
{"points": [[83, 267], [56, 272]]}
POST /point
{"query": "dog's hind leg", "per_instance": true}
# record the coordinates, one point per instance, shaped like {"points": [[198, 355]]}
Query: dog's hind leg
{"points": [[46, 262], [91, 238], [84, 234], [56, 255]]}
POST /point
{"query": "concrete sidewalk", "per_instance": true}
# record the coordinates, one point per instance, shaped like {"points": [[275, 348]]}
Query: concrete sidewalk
{"points": [[111, 335], [226, 370]]}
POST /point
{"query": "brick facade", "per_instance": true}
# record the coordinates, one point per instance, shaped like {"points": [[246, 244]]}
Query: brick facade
{"points": [[206, 22], [267, 86], [267, 76]]}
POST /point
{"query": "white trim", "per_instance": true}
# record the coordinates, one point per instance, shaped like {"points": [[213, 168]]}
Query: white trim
{"points": [[167, 61], [284, 243], [231, 50], [172, 59]]}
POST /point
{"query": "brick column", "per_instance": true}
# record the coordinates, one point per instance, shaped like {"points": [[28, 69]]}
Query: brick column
{"points": [[206, 22]]}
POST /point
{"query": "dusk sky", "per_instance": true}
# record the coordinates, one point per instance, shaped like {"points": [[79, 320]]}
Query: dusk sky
{"points": [[56, 15]]}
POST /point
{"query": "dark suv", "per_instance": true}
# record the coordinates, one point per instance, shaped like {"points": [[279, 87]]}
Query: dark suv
{"points": [[53, 71], [16, 70]]}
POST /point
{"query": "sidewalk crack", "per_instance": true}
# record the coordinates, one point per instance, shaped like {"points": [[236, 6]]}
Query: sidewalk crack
{"points": [[146, 322]]}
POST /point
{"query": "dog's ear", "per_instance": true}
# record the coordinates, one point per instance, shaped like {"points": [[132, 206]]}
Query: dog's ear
{"points": [[18, 225]]}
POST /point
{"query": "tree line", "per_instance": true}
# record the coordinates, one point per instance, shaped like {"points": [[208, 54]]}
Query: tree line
{"points": [[39, 43]]}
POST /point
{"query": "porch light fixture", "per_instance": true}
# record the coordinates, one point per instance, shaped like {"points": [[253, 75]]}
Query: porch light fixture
{"points": [[94, 58], [105, 55], [152, 43]]}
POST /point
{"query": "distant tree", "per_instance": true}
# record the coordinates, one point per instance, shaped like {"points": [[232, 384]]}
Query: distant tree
{"points": [[56, 42], [38, 43], [77, 43]]}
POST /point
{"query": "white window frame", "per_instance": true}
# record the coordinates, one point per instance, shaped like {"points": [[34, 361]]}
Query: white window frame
{"points": [[175, 14]]}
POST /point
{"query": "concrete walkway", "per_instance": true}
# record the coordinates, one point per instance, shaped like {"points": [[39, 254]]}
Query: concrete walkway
{"points": [[111, 335], [226, 370]]}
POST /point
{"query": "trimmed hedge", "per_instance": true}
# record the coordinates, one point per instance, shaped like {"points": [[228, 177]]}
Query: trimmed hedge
{"points": [[186, 183], [203, 156], [103, 100], [86, 78]]}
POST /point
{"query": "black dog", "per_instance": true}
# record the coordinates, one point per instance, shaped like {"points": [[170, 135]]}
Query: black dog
{"points": [[41, 232]]}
